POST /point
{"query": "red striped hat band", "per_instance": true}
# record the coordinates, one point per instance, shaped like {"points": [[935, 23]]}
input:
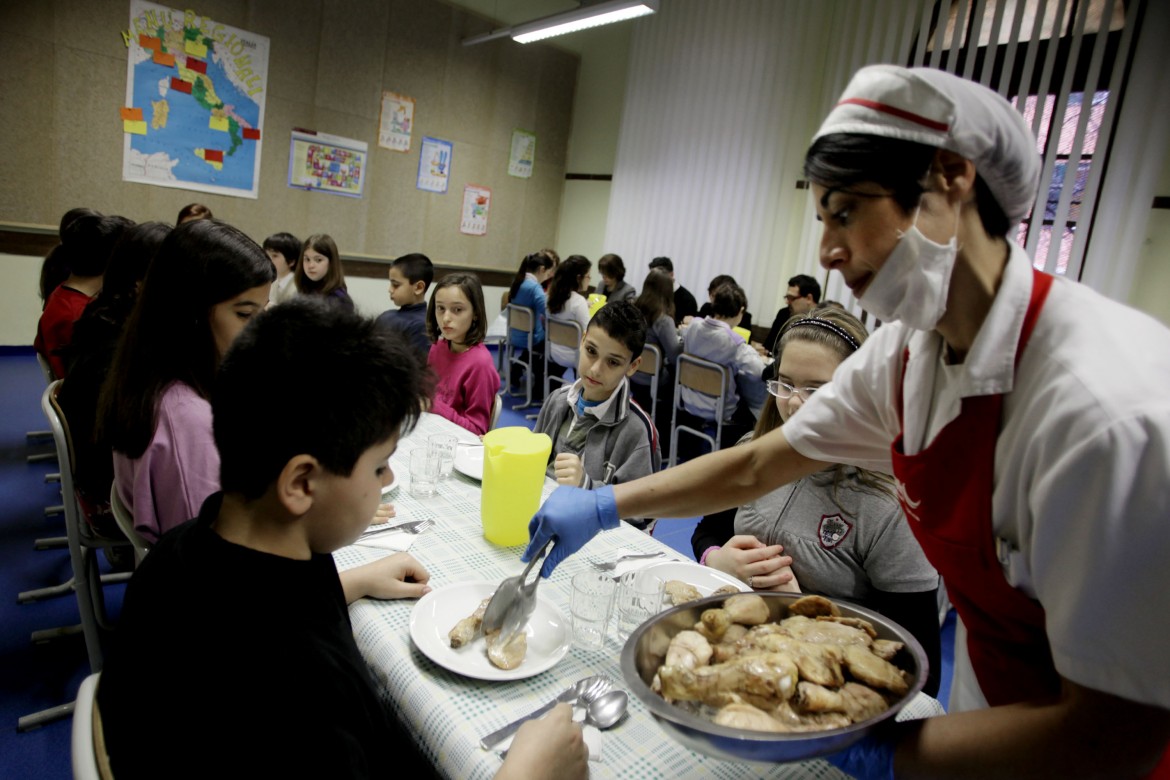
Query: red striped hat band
{"points": [[898, 112]]}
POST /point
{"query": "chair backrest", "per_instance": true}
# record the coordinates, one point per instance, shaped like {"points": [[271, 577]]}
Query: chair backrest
{"points": [[702, 376], [125, 520], [497, 407], [84, 751], [46, 368], [521, 318], [566, 333], [651, 360]]}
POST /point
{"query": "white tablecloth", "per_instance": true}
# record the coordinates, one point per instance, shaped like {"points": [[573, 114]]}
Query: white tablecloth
{"points": [[448, 713]]}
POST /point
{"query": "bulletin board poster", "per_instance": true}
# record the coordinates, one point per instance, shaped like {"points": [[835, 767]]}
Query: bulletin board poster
{"points": [[434, 165], [396, 120], [476, 202], [327, 163], [523, 154], [195, 93]]}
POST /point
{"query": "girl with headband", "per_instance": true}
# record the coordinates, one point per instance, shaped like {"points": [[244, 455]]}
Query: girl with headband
{"points": [[841, 528], [1030, 445]]}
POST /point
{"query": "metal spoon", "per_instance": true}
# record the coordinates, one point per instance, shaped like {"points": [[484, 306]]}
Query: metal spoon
{"points": [[607, 709]]}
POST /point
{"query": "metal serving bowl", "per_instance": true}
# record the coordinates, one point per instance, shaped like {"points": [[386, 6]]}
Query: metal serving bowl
{"points": [[645, 651]]}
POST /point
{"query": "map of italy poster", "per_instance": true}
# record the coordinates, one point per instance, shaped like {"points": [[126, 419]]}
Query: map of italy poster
{"points": [[195, 92]]}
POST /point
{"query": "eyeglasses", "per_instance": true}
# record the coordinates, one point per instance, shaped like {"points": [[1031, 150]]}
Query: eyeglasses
{"points": [[784, 391], [791, 298]]}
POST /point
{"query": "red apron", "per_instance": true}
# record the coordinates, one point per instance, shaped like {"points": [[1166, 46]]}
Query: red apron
{"points": [[946, 492]]}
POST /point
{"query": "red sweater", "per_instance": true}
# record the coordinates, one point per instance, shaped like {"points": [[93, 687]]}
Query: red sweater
{"points": [[55, 329], [467, 386]]}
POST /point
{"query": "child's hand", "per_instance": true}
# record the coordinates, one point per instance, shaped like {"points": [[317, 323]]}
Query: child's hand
{"points": [[569, 470], [763, 567], [398, 576], [384, 513], [552, 747]]}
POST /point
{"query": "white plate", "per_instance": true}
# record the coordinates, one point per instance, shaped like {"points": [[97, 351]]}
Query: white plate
{"points": [[469, 461], [704, 578], [437, 613]]}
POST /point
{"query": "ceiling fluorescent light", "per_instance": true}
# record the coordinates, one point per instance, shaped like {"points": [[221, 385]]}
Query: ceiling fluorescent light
{"points": [[591, 15]]}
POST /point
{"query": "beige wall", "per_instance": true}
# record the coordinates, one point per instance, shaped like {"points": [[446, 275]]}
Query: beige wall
{"points": [[1151, 288]]}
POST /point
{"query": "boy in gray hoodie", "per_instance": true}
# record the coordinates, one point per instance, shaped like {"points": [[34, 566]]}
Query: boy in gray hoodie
{"points": [[600, 435]]}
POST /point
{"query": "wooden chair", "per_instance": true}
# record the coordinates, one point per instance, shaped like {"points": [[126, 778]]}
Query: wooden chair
{"points": [[564, 333], [707, 378], [523, 319], [651, 365]]}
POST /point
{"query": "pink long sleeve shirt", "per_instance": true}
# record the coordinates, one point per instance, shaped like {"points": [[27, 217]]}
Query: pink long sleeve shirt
{"points": [[467, 386]]}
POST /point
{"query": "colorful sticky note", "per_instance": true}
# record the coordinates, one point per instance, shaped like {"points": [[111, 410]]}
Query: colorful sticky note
{"points": [[218, 123], [195, 49], [149, 42], [252, 133], [213, 155], [199, 66], [180, 85], [164, 59], [132, 114], [136, 127]]}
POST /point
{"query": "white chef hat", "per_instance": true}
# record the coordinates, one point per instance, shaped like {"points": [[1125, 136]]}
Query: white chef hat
{"points": [[938, 109]]}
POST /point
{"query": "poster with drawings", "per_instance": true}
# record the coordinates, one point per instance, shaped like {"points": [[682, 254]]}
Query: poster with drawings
{"points": [[396, 122], [476, 202], [434, 165], [523, 154]]}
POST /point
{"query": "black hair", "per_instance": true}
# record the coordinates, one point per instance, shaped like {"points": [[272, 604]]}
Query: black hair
{"points": [[322, 244], [54, 271], [842, 160], [416, 267], [287, 245], [612, 266], [730, 300], [88, 241], [473, 291], [168, 337], [566, 281], [366, 381], [718, 282], [657, 296], [129, 262], [663, 263], [193, 211], [71, 215], [623, 322], [537, 261], [806, 285]]}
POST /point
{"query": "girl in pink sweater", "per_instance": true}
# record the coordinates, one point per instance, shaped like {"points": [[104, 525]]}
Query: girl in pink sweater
{"points": [[467, 379]]}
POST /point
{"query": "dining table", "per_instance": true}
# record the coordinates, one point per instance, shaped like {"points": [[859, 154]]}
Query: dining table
{"points": [[447, 712]]}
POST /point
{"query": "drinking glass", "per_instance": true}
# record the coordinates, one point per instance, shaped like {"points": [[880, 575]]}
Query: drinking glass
{"points": [[591, 604], [443, 444], [639, 597], [424, 472]]}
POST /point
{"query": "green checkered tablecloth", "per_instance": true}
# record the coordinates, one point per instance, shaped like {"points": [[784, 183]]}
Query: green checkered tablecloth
{"points": [[448, 713]]}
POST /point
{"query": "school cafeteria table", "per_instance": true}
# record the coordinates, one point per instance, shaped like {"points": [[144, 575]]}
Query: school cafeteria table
{"points": [[448, 712]]}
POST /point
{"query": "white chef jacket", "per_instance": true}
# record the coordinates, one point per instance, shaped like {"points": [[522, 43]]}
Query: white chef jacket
{"points": [[1081, 503]]}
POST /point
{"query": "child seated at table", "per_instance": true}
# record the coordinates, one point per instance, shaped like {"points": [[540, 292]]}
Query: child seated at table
{"points": [[235, 653], [410, 276], [467, 378], [600, 435]]}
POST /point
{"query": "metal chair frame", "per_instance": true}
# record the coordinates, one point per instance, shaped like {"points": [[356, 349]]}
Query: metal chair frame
{"points": [[125, 520], [497, 407], [651, 365], [523, 319], [704, 377]]}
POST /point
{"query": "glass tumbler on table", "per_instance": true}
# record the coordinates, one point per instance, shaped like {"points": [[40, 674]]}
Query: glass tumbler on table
{"points": [[444, 445], [639, 598], [591, 604], [424, 472]]}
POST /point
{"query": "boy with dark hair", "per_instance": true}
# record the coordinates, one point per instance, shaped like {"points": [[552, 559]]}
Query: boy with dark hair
{"points": [[600, 436], [234, 631], [410, 276], [284, 249], [685, 304]]}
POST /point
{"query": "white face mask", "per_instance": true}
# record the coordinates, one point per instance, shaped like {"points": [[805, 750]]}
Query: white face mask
{"points": [[911, 287]]}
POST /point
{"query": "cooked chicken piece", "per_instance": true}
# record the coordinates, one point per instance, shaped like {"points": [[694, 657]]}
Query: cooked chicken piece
{"points": [[507, 656], [861, 623], [726, 590], [857, 702], [768, 678], [863, 702], [811, 606], [870, 669], [468, 628], [681, 592], [729, 647], [716, 621], [825, 632], [745, 716], [747, 609], [811, 697], [886, 649], [818, 663], [808, 721], [688, 650], [735, 632]]}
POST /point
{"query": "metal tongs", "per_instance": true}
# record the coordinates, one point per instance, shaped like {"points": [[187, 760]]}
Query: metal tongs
{"points": [[513, 602]]}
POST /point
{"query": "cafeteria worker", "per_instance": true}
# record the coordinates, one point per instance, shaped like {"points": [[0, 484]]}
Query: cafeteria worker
{"points": [[1025, 418]]}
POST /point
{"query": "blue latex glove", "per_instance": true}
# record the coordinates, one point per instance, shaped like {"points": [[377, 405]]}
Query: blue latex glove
{"points": [[871, 758], [571, 517]]}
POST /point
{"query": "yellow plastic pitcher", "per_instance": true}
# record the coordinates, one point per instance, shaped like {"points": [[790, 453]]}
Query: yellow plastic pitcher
{"points": [[596, 301], [747, 334], [514, 463]]}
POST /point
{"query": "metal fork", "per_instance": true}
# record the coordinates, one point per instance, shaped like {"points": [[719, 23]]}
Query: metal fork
{"points": [[611, 565], [594, 687], [410, 527]]}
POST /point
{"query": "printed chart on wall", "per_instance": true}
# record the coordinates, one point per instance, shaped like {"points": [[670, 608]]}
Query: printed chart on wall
{"points": [[195, 92], [434, 165], [523, 154], [476, 202], [397, 119], [328, 163]]}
